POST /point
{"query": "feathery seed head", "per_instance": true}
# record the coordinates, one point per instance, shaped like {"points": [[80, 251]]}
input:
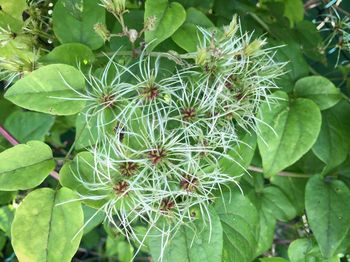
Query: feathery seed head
{"points": [[161, 165]]}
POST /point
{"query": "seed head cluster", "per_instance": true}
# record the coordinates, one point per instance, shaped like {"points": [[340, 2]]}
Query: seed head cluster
{"points": [[161, 159]]}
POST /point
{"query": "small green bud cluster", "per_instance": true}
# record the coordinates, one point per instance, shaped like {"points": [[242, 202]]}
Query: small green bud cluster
{"points": [[102, 31], [22, 46], [170, 131], [114, 6], [118, 9]]}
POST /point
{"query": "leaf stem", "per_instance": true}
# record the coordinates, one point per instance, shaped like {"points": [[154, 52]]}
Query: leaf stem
{"points": [[6, 134], [13, 141], [282, 173]]}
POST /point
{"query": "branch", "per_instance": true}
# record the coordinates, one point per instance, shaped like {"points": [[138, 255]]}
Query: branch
{"points": [[13, 141], [282, 173], [8, 136]]}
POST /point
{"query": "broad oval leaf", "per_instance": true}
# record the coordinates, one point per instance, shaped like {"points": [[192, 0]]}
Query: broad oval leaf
{"points": [[332, 145], [187, 35], [169, 17], [295, 69], [239, 220], [25, 166], [294, 10], [81, 170], [73, 54], [267, 224], [275, 202], [11, 14], [304, 250], [47, 227], [306, 33], [325, 202], [288, 131], [242, 155], [49, 90], [319, 89], [74, 20], [26, 126], [203, 245], [294, 189], [87, 133], [6, 218]]}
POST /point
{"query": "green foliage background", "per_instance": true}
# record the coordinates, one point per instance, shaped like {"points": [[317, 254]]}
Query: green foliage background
{"points": [[295, 205]]}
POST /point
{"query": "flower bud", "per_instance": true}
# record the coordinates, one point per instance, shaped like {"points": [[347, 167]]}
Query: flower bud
{"points": [[102, 31], [114, 6], [119, 6], [202, 56], [254, 47], [133, 35], [232, 28]]}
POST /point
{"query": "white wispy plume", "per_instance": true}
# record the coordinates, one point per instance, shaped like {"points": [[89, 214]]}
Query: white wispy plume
{"points": [[161, 160]]}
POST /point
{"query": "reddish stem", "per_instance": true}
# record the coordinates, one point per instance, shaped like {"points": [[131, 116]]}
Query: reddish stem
{"points": [[8, 136], [13, 141]]}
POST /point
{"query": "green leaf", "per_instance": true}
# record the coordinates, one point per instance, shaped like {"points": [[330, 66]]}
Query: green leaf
{"points": [[294, 189], [296, 66], [7, 197], [242, 155], [26, 126], [294, 10], [11, 14], [13, 8], [6, 217], [329, 219], [48, 90], [308, 164], [203, 5], [119, 247], [73, 54], [92, 218], [267, 224], [332, 145], [271, 204], [306, 250], [202, 245], [169, 17], [187, 35], [25, 166], [299, 249], [47, 226], [87, 131], [6, 108], [275, 202], [239, 220], [288, 131], [310, 38], [319, 89], [3, 240], [74, 20], [81, 168]]}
